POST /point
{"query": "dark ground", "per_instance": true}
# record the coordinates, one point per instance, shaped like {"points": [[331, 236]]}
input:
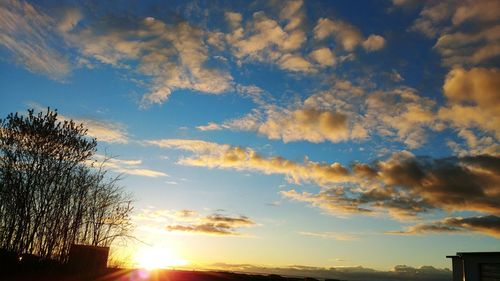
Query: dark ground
{"points": [[14, 267], [142, 275]]}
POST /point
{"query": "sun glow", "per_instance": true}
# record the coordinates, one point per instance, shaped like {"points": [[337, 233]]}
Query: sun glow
{"points": [[157, 258]]}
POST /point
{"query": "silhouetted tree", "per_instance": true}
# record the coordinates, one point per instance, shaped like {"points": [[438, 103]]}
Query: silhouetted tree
{"points": [[51, 193]]}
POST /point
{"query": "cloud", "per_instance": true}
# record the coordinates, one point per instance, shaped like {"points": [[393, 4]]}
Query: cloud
{"points": [[168, 56], [28, 34], [215, 224], [130, 167], [211, 126], [264, 39], [487, 225], [213, 155], [334, 201], [187, 221], [69, 20], [102, 130], [330, 235], [473, 103], [164, 216], [344, 112], [347, 35], [283, 41], [398, 273], [461, 48], [295, 63], [197, 146], [174, 56], [105, 131], [305, 124], [403, 186], [324, 57], [374, 43], [258, 95], [474, 144], [400, 113], [467, 31], [234, 19], [435, 17], [321, 117]]}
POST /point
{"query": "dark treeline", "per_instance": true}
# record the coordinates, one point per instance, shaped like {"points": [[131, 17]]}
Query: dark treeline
{"points": [[52, 194]]}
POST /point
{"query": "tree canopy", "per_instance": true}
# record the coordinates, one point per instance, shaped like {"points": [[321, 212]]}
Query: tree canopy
{"points": [[52, 194]]}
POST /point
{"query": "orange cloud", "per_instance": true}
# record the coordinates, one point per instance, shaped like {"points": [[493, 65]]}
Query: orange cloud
{"points": [[403, 185], [214, 225], [488, 225], [473, 107]]}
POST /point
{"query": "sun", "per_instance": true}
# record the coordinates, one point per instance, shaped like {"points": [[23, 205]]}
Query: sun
{"points": [[157, 258]]}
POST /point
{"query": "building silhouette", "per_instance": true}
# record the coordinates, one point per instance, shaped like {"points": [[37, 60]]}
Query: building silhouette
{"points": [[476, 266], [90, 259]]}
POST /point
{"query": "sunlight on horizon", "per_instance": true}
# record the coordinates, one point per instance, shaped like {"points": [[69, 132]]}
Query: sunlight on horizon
{"points": [[344, 140], [157, 258]]}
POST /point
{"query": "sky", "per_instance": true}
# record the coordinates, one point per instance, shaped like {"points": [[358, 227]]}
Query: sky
{"points": [[354, 135]]}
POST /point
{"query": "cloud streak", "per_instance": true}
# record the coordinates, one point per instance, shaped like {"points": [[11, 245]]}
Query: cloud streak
{"points": [[330, 235], [173, 55], [466, 31], [488, 225], [29, 34], [105, 131], [191, 222], [129, 167], [403, 185], [216, 224]]}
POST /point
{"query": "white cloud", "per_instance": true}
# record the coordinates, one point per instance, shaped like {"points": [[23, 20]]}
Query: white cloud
{"points": [[209, 127], [130, 167]]}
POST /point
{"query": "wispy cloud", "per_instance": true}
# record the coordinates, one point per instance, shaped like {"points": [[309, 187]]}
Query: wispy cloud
{"points": [[466, 31], [103, 130], [192, 222], [173, 55], [330, 235], [345, 112], [130, 167], [403, 185], [219, 225], [488, 225], [30, 35]]}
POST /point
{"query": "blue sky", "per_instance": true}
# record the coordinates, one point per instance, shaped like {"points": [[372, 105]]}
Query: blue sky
{"points": [[277, 133]]}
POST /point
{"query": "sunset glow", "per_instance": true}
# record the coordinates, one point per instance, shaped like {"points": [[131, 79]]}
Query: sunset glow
{"points": [[157, 258], [290, 136]]}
